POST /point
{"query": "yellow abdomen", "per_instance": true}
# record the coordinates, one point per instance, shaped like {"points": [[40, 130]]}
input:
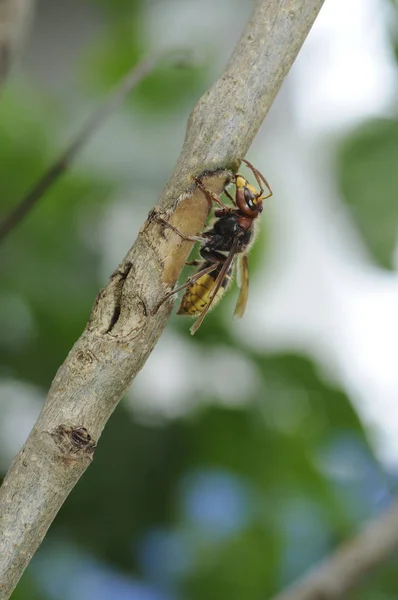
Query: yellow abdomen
{"points": [[198, 295]]}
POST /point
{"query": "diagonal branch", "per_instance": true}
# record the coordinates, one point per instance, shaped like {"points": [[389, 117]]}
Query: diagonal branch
{"points": [[342, 571], [122, 332]]}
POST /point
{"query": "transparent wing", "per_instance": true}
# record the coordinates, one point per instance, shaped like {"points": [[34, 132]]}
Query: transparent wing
{"points": [[243, 282], [219, 280]]}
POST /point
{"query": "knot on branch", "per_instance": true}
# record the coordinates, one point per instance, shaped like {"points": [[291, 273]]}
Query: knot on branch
{"points": [[119, 311], [74, 443]]}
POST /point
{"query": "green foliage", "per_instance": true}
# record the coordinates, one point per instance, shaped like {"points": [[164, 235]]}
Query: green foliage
{"points": [[273, 446], [367, 174], [119, 10], [48, 268], [244, 568], [256, 494], [114, 506], [169, 88], [28, 588], [369, 182]]}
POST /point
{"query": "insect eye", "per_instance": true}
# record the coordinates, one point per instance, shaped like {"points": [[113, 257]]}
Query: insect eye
{"points": [[249, 197]]}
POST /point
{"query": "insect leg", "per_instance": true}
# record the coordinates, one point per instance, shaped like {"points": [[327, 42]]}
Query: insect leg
{"points": [[189, 282], [226, 192], [194, 263], [188, 238], [211, 197]]}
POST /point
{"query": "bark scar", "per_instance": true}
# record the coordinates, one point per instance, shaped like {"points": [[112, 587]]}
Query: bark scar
{"points": [[121, 276], [74, 442]]}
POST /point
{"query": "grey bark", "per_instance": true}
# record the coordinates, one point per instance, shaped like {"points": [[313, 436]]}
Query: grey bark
{"points": [[121, 331]]}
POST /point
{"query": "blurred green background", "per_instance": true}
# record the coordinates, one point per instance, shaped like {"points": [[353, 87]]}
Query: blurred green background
{"points": [[244, 455]]}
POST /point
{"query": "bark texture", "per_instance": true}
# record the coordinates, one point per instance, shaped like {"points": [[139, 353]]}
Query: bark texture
{"points": [[122, 332]]}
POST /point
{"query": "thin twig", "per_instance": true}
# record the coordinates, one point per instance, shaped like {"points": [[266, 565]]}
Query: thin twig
{"points": [[122, 330], [347, 567], [92, 125]]}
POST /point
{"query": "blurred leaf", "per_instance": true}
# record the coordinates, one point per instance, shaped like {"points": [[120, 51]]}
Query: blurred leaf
{"points": [[120, 9], [128, 488], [244, 568], [300, 390], [47, 264], [366, 166], [392, 30], [381, 584], [171, 87], [112, 56], [310, 413], [27, 589], [168, 88], [271, 447]]}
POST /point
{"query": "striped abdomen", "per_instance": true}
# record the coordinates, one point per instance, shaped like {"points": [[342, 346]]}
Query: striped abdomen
{"points": [[198, 294]]}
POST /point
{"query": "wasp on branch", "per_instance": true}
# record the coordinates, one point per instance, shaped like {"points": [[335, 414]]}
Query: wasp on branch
{"points": [[230, 237]]}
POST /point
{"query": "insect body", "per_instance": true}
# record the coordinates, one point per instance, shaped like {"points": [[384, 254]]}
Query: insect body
{"points": [[228, 239], [199, 294]]}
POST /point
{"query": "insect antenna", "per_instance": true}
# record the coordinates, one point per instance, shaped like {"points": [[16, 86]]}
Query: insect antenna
{"points": [[260, 180]]}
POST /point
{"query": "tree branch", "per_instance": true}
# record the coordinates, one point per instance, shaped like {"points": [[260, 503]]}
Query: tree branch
{"points": [[122, 332], [339, 573]]}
